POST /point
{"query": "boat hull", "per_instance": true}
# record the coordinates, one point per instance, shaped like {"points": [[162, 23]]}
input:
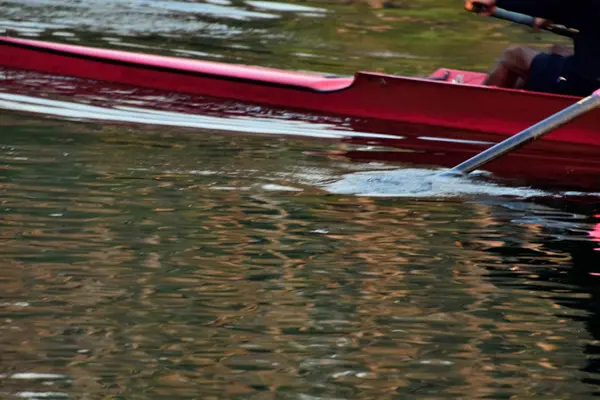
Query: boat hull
{"points": [[465, 105]]}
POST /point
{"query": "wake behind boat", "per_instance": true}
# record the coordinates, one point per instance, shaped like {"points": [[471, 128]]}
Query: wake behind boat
{"points": [[448, 98]]}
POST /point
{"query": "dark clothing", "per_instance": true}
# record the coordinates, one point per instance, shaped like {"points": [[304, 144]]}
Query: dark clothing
{"points": [[583, 15], [545, 72], [553, 73]]}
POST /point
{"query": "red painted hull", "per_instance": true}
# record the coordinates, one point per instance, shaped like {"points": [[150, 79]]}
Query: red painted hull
{"points": [[464, 106]]}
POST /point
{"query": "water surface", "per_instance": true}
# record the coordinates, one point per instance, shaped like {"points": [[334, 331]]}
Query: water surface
{"points": [[161, 246]]}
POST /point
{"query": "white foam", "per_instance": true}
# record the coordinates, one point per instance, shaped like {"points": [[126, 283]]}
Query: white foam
{"points": [[413, 182]]}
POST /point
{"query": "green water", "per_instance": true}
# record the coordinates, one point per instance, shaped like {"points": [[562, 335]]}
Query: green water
{"points": [[148, 261]]}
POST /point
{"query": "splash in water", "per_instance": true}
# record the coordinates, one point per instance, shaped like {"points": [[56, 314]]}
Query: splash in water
{"points": [[415, 182]]}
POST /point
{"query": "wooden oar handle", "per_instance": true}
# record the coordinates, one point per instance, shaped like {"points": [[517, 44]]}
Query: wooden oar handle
{"points": [[518, 18]]}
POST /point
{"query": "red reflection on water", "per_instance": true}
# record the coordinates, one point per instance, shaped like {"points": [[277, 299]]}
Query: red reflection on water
{"points": [[544, 164]]}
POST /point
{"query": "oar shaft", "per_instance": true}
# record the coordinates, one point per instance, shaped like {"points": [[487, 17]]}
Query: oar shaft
{"points": [[528, 20], [523, 19], [528, 135], [501, 13]]}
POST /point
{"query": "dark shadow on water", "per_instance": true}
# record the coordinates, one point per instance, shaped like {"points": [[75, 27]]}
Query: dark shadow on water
{"points": [[563, 264]]}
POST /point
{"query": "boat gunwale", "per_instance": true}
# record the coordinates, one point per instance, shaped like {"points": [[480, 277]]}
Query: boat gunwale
{"points": [[180, 71], [6, 40]]}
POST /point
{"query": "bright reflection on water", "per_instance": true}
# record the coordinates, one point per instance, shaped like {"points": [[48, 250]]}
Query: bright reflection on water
{"points": [[74, 111]]}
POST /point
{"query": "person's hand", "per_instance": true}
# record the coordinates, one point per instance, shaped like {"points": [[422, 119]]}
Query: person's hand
{"points": [[482, 7], [540, 23]]}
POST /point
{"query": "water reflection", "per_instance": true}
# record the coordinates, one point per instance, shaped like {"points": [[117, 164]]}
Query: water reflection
{"points": [[340, 38], [552, 167], [562, 268], [144, 260], [287, 7], [128, 268]]}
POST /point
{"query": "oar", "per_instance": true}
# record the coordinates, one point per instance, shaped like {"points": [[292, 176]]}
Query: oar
{"points": [[522, 19], [534, 132]]}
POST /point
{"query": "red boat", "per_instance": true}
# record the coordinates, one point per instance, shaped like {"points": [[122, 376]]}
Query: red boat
{"points": [[448, 98]]}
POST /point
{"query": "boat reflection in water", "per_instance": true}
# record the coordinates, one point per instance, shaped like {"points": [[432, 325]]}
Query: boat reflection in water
{"points": [[562, 265], [543, 164]]}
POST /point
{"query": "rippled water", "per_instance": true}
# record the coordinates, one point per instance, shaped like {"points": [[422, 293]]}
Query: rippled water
{"points": [[155, 264], [162, 246]]}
